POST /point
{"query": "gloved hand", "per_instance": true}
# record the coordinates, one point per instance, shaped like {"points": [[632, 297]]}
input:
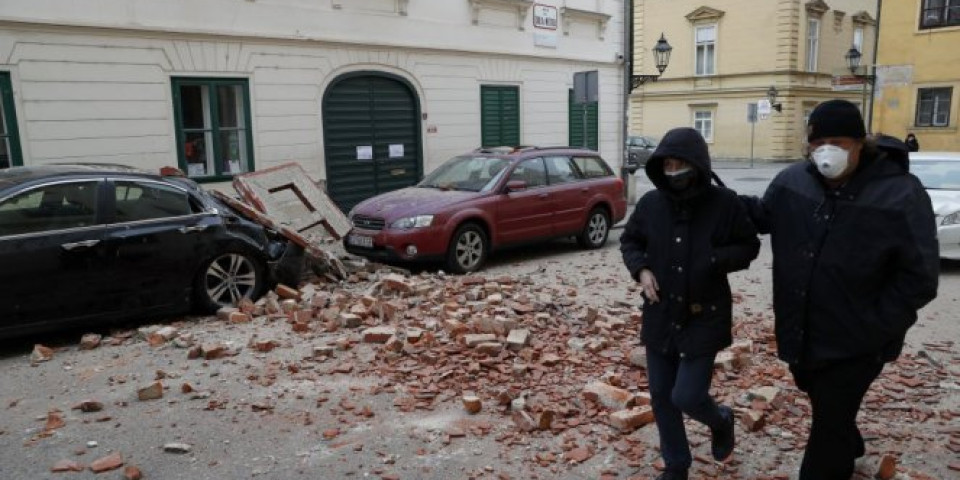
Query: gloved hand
{"points": [[648, 282]]}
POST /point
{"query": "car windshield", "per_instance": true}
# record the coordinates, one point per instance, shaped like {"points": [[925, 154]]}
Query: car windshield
{"points": [[937, 174], [468, 172]]}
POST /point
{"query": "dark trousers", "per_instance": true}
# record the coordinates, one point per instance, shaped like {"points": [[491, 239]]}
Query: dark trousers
{"points": [[678, 386], [836, 391]]}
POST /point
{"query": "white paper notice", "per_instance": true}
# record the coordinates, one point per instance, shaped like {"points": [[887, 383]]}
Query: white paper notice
{"points": [[196, 169], [396, 150], [365, 152], [234, 166]]}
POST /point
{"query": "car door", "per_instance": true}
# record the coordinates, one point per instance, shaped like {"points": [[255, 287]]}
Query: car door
{"points": [[156, 238], [51, 253], [526, 214], [569, 193]]}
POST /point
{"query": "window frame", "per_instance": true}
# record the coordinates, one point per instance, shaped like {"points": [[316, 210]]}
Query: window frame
{"points": [[813, 44], [711, 121], [941, 15], [712, 52], [12, 131], [215, 128], [521, 163], [931, 123]]}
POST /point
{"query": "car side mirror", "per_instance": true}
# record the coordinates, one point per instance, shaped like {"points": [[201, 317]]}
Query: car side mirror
{"points": [[516, 185]]}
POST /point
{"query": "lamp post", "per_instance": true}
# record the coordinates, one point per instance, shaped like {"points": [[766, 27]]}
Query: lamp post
{"points": [[661, 54], [772, 93], [853, 57]]}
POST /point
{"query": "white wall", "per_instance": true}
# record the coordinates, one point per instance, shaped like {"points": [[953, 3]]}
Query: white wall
{"points": [[103, 95]]}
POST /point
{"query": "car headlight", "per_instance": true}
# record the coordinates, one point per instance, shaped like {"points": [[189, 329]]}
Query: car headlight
{"points": [[952, 219], [418, 221]]}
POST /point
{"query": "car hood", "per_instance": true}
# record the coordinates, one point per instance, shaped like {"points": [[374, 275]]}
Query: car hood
{"points": [[944, 202], [411, 201]]}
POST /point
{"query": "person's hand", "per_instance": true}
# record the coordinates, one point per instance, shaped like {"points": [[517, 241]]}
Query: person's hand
{"points": [[648, 283]]}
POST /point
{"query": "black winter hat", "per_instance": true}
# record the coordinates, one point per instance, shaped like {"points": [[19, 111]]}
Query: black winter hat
{"points": [[835, 118]]}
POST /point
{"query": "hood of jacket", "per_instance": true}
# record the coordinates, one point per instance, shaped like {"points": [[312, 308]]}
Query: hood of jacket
{"points": [[685, 144]]}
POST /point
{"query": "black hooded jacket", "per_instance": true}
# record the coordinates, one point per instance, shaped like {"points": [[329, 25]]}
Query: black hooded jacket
{"points": [[851, 266], [690, 241]]}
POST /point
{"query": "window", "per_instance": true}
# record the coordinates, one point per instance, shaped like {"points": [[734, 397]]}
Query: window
{"points": [[9, 135], [592, 167], [561, 170], [813, 43], [50, 207], [499, 116], [531, 171], [145, 201], [858, 39], [933, 107], [213, 126], [706, 39], [703, 123], [940, 13]]}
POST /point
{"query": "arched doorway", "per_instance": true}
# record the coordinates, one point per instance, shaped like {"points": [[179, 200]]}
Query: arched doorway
{"points": [[371, 131]]}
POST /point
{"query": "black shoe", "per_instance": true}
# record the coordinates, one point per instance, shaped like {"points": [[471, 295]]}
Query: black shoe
{"points": [[722, 440], [673, 475]]}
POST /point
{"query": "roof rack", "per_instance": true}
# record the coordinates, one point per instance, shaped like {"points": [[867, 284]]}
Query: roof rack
{"points": [[504, 150]]}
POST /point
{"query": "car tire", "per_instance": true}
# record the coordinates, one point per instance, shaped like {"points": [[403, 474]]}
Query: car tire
{"points": [[468, 247], [596, 230], [228, 277]]}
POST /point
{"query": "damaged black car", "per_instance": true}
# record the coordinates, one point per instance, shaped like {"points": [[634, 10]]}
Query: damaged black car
{"points": [[85, 244]]}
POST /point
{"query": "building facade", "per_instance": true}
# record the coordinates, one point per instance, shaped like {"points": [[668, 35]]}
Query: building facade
{"points": [[368, 95], [727, 54], [918, 72]]}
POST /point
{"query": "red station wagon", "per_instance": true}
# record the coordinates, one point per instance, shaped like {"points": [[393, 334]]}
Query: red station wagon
{"points": [[489, 199]]}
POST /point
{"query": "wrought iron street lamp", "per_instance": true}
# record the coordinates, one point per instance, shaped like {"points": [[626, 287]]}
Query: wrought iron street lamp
{"points": [[661, 54], [853, 57], [772, 93]]}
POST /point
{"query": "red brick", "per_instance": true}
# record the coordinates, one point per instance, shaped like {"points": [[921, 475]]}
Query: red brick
{"points": [[632, 419], [105, 464], [609, 396]]}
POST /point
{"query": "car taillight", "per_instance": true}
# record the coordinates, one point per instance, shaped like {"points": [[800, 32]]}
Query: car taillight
{"points": [[619, 184]]}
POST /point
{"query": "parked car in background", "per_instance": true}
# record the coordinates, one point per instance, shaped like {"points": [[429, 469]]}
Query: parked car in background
{"points": [[639, 149], [488, 199], [940, 174], [88, 243]]}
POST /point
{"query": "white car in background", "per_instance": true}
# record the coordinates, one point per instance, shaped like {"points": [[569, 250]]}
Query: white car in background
{"points": [[940, 174]]}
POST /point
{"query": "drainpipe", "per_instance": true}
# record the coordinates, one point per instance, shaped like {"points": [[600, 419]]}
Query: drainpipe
{"points": [[627, 74], [873, 85]]}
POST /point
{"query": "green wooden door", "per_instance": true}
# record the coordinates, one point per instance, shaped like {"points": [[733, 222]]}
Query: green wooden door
{"points": [[576, 124], [499, 116], [10, 153], [371, 131]]}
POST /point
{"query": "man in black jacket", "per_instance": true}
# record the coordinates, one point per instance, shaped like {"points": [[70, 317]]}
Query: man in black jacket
{"points": [[855, 255], [680, 242]]}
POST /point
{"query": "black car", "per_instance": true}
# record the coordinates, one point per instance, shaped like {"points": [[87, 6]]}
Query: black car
{"points": [[88, 243]]}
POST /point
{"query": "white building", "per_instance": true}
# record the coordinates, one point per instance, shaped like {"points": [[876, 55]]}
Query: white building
{"points": [[366, 94]]}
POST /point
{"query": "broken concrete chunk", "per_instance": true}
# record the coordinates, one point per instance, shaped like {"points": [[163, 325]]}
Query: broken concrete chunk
{"points": [[609, 396], [518, 339], [378, 334], [631, 419], [177, 448], [150, 392], [90, 341], [474, 339]]}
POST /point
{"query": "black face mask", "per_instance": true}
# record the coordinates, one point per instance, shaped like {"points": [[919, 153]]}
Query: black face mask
{"points": [[682, 180]]}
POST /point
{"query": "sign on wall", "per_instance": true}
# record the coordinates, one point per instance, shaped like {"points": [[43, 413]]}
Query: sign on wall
{"points": [[545, 21]]}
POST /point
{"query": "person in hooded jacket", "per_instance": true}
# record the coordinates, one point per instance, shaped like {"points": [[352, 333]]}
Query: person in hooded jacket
{"points": [[855, 255], [680, 243]]}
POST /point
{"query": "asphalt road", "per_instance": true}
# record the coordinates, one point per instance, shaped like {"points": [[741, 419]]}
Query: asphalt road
{"points": [[239, 433]]}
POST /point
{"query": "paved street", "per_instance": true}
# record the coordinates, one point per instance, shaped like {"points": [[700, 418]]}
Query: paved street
{"points": [[271, 409]]}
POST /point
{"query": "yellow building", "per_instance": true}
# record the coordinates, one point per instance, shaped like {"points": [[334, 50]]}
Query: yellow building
{"points": [[727, 54], [918, 72]]}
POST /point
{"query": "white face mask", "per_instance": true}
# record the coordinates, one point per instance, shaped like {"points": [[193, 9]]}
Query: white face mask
{"points": [[830, 160]]}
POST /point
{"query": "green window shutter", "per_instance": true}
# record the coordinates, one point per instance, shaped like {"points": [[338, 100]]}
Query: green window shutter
{"points": [[10, 153], [575, 121], [499, 116]]}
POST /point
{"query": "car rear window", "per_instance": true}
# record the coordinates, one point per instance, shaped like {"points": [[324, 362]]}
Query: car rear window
{"points": [[146, 201], [937, 174], [593, 167]]}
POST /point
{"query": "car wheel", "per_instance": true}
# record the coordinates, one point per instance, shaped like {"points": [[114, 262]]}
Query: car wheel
{"points": [[468, 249], [597, 229], [227, 278]]}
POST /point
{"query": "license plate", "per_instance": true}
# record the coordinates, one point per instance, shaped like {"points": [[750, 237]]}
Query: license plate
{"points": [[360, 241]]}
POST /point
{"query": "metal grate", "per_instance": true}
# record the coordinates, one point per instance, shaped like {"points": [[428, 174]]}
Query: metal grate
{"points": [[367, 223]]}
